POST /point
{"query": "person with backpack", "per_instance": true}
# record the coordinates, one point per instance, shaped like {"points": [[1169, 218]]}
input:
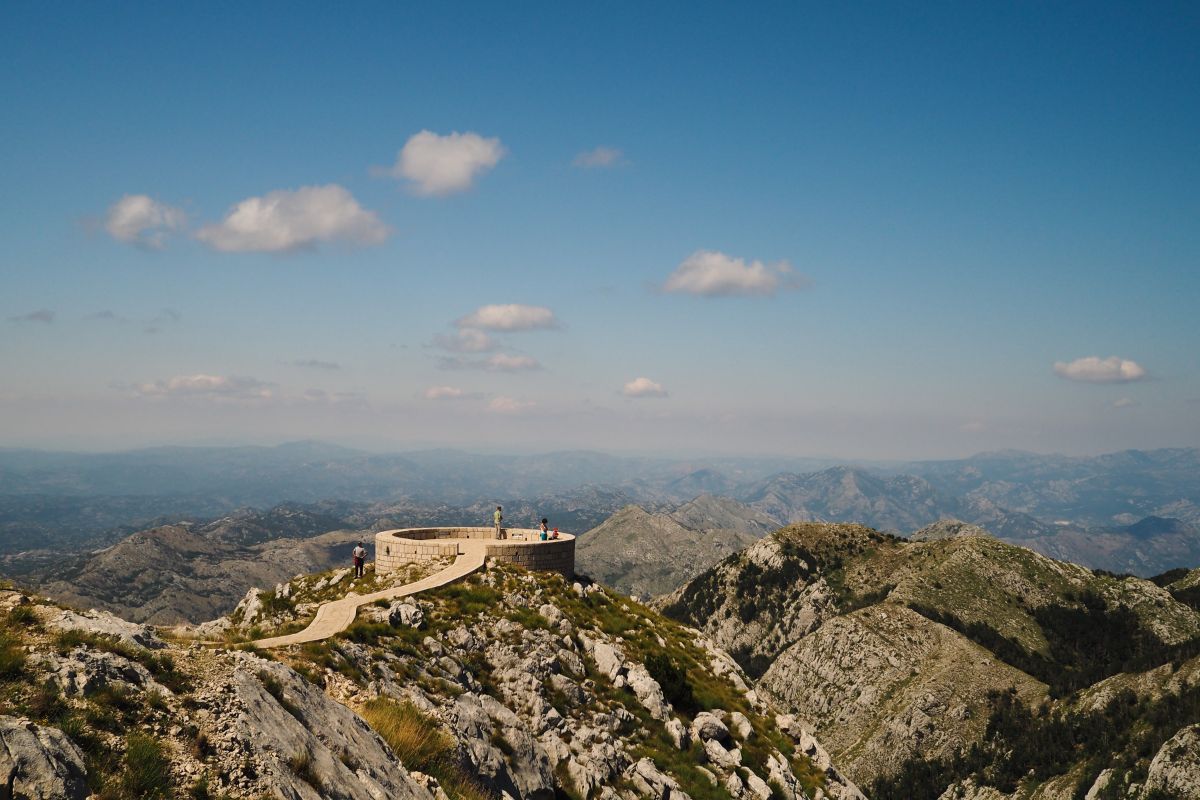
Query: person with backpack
{"points": [[360, 560]]}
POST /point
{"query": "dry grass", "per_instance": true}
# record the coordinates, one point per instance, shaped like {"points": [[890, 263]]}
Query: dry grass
{"points": [[422, 745]]}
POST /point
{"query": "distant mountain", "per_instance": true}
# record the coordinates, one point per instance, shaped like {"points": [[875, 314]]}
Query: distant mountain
{"points": [[186, 572], [847, 494], [1087, 491], [644, 553], [702, 481]]}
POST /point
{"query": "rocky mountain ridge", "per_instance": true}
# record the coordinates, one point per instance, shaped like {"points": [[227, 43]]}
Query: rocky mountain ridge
{"points": [[910, 658]]}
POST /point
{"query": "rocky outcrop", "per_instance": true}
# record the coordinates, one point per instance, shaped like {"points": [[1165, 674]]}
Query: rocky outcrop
{"points": [[1175, 770], [39, 763], [885, 684]]}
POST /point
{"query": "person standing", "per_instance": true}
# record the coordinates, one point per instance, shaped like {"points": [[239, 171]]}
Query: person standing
{"points": [[499, 517], [360, 560], [545, 532]]}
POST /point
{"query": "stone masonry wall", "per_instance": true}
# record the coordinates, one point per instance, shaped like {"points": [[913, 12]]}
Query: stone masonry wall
{"points": [[397, 547]]}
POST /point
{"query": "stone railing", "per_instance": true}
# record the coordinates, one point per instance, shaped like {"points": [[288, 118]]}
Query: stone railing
{"points": [[523, 546]]}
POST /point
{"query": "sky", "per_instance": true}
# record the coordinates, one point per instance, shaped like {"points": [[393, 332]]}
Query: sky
{"points": [[859, 230]]}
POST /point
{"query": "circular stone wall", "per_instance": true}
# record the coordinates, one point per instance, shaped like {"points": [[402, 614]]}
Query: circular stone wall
{"points": [[400, 546]]}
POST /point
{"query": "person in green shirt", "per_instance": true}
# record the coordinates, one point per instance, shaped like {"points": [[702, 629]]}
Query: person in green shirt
{"points": [[498, 517]]}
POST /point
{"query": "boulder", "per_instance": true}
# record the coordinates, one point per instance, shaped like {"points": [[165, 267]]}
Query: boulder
{"points": [[648, 692], [39, 763], [707, 726], [741, 724], [678, 733], [718, 755]]}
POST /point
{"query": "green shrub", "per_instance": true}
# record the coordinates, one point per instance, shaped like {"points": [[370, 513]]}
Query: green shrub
{"points": [[674, 682]]}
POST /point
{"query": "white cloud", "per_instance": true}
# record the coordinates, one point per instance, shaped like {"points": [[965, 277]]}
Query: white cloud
{"points": [[466, 340], [509, 405], [42, 315], [973, 426], [315, 363], [208, 386], [444, 393], [599, 158], [504, 362], [286, 220], [510, 317], [643, 387], [141, 220], [1094, 369], [713, 274], [442, 165], [1125, 402]]}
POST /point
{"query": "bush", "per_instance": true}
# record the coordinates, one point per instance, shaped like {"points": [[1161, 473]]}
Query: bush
{"points": [[674, 682]]}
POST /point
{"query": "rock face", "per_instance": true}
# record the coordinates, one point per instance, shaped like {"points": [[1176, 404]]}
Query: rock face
{"points": [[39, 763], [885, 684]]}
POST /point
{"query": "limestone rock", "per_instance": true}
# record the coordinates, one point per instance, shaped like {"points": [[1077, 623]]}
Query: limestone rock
{"points": [[1175, 769], [101, 623], [678, 733], [706, 726], [39, 763]]}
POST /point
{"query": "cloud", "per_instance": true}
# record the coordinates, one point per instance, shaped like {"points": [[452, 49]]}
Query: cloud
{"points": [[504, 362], [1125, 402], [107, 315], [499, 362], [142, 221], [1094, 369], [42, 315], [643, 387], [207, 386], [973, 426], [441, 165], [509, 405], [466, 340], [443, 393], [285, 220], [712, 274], [313, 363], [510, 317], [599, 158]]}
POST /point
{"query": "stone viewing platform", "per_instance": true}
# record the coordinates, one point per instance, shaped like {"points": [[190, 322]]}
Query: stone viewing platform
{"points": [[399, 546]]}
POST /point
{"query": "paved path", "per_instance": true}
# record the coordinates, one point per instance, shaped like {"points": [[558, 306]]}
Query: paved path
{"points": [[336, 615]]}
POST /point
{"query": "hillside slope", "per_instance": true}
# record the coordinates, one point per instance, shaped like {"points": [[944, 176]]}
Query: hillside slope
{"points": [[903, 655], [511, 684], [645, 554]]}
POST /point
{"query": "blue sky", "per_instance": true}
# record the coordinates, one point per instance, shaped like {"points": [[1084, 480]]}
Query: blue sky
{"points": [[886, 225]]}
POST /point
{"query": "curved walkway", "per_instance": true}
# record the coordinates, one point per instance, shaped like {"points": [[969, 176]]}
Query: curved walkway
{"points": [[336, 615]]}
